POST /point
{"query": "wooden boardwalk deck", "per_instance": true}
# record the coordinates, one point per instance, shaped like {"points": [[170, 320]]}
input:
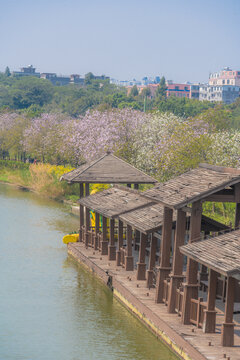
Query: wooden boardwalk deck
{"points": [[187, 340]]}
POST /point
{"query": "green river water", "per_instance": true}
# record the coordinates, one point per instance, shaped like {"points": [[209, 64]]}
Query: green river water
{"points": [[50, 307]]}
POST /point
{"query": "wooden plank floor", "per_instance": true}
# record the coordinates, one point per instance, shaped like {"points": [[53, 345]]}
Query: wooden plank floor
{"points": [[197, 339]]}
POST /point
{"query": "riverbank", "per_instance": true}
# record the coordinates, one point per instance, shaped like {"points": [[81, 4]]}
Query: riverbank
{"points": [[42, 179]]}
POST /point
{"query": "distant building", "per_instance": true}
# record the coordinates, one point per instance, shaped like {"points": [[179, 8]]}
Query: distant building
{"points": [[225, 93], [26, 71], [56, 80], [178, 90], [226, 76], [62, 80], [76, 79], [223, 86], [194, 91]]}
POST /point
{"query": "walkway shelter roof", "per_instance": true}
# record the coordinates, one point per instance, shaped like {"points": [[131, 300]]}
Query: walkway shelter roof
{"points": [[194, 185], [220, 253], [108, 169], [115, 201], [150, 218]]}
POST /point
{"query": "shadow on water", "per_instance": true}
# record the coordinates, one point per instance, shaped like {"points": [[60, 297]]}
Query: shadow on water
{"points": [[51, 307]]}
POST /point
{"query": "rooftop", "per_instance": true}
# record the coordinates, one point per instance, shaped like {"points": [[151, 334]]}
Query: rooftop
{"points": [[108, 169], [220, 253], [194, 185], [115, 201], [150, 218]]}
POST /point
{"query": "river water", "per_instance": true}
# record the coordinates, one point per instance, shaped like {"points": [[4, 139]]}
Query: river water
{"points": [[50, 307]]}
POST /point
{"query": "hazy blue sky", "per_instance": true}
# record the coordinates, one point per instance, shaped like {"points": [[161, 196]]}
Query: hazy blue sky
{"points": [[181, 39]]}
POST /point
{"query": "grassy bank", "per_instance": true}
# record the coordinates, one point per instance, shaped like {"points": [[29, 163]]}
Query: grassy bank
{"points": [[41, 178]]}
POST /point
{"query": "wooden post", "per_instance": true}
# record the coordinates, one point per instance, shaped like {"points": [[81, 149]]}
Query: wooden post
{"points": [[176, 277], [237, 199], [111, 246], [141, 265], [209, 322], [104, 244], [129, 265], [136, 186], [152, 261], [190, 290], [87, 227], [228, 325], [120, 242], [164, 268], [96, 231], [87, 216], [81, 212], [129, 185]]}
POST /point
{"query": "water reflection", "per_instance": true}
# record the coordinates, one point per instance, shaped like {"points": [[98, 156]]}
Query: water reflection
{"points": [[51, 308]]}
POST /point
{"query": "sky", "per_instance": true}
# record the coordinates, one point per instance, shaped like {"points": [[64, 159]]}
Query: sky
{"points": [[183, 40]]}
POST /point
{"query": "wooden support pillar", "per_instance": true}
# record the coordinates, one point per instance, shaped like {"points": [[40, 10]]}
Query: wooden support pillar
{"points": [[176, 277], [111, 246], [120, 242], [227, 336], [190, 290], [96, 231], [141, 265], [129, 185], [209, 322], [237, 215], [129, 265], [104, 244], [87, 217], [136, 186], [81, 212], [152, 261], [237, 199], [164, 268], [87, 227]]}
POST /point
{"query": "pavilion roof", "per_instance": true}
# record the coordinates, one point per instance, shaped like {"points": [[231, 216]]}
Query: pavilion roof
{"points": [[108, 169], [193, 185], [115, 201], [220, 253], [150, 218]]}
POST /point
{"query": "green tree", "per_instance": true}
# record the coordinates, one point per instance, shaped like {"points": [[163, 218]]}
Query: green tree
{"points": [[88, 78], [7, 72], [162, 89], [134, 91]]}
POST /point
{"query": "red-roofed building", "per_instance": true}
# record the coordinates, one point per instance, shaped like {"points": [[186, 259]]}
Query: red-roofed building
{"points": [[178, 90]]}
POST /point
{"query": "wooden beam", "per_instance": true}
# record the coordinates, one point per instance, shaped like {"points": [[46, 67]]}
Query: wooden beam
{"points": [[220, 198]]}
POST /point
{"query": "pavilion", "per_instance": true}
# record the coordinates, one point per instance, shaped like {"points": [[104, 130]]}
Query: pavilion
{"points": [[172, 213]]}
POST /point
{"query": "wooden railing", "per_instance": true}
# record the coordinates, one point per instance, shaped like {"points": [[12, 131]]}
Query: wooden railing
{"points": [[166, 286], [197, 311], [179, 301]]}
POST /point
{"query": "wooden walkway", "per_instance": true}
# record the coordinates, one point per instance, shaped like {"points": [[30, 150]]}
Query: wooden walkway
{"points": [[187, 340]]}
